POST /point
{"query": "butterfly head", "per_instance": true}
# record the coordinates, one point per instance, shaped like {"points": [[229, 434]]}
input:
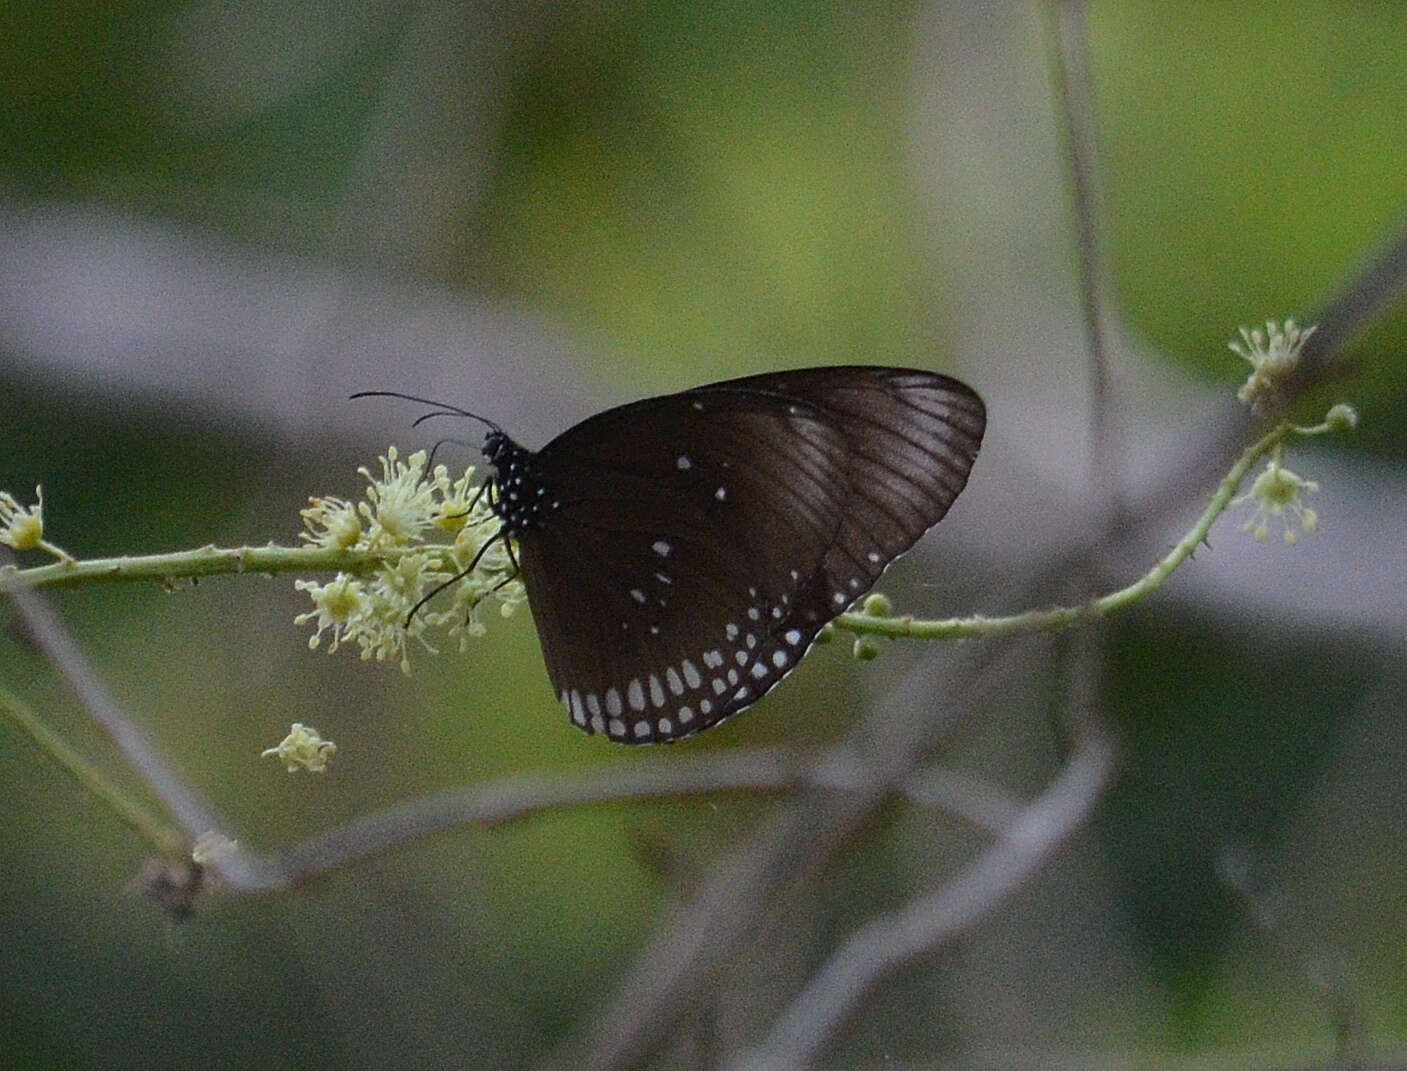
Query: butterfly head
{"points": [[519, 496]]}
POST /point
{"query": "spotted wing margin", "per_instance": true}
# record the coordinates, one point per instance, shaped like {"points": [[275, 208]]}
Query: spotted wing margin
{"points": [[665, 587]]}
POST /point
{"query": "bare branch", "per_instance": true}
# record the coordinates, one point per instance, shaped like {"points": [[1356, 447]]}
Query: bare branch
{"points": [[886, 943], [675, 974], [656, 776], [1073, 92]]}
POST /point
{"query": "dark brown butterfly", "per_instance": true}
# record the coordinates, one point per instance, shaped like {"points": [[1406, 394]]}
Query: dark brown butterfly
{"points": [[681, 553]]}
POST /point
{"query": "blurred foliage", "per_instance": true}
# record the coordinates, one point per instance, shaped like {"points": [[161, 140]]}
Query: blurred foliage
{"points": [[1254, 163]]}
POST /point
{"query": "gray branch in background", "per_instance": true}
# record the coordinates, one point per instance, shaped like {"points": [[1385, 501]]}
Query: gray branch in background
{"points": [[887, 942], [674, 977]]}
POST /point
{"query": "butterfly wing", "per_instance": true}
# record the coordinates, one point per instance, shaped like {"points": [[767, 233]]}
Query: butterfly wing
{"points": [[703, 538], [912, 438]]}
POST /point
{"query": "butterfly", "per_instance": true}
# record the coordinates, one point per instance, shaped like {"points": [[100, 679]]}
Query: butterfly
{"points": [[681, 553]]}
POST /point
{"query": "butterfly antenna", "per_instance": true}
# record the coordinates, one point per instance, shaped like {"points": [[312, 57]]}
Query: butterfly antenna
{"points": [[440, 408], [462, 574], [434, 450]]}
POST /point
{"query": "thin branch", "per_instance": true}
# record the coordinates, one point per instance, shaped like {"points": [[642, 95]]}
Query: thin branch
{"points": [[1073, 91], [646, 777], [193, 814], [166, 840], [886, 943], [521, 796], [1381, 283], [677, 974], [1065, 616], [201, 561]]}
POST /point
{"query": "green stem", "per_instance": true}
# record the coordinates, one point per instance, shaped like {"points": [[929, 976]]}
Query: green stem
{"points": [[273, 559], [1065, 616], [202, 561], [166, 839]]}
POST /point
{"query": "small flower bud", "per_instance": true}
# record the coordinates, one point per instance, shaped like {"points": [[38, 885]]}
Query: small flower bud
{"points": [[865, 649], [877, 604], [303, 749], [1341, 417]]}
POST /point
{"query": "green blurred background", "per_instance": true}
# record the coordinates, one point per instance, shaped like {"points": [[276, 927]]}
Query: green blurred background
{"points": [[218, 220]]}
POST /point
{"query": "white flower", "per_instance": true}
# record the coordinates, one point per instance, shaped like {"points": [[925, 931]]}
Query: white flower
{"points": [[1279, 494], [1272, 354], [21, 527], [385, 604], [401, 504], [303, 749]]}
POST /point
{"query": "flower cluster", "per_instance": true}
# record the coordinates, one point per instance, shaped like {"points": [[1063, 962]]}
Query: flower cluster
{"points": [[428, 530], [1273, 354]]}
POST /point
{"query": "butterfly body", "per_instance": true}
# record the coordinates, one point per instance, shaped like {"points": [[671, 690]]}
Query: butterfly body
{"points": [[681, 553]]}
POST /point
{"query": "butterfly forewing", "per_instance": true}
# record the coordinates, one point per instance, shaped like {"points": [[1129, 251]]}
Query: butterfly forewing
{"points": [[696, 543], [913, 437]]}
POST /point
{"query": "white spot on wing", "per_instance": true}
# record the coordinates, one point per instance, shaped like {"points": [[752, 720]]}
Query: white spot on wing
{"points": [[684, 462], [779, 659], [656, 691], [691, 673], [671, 677], [613, 704], [661, 548], [793, 636], [638, 595], [635, 695]]}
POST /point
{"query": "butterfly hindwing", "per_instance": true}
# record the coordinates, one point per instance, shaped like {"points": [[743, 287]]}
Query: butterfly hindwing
{"points": [[655, 587]]}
